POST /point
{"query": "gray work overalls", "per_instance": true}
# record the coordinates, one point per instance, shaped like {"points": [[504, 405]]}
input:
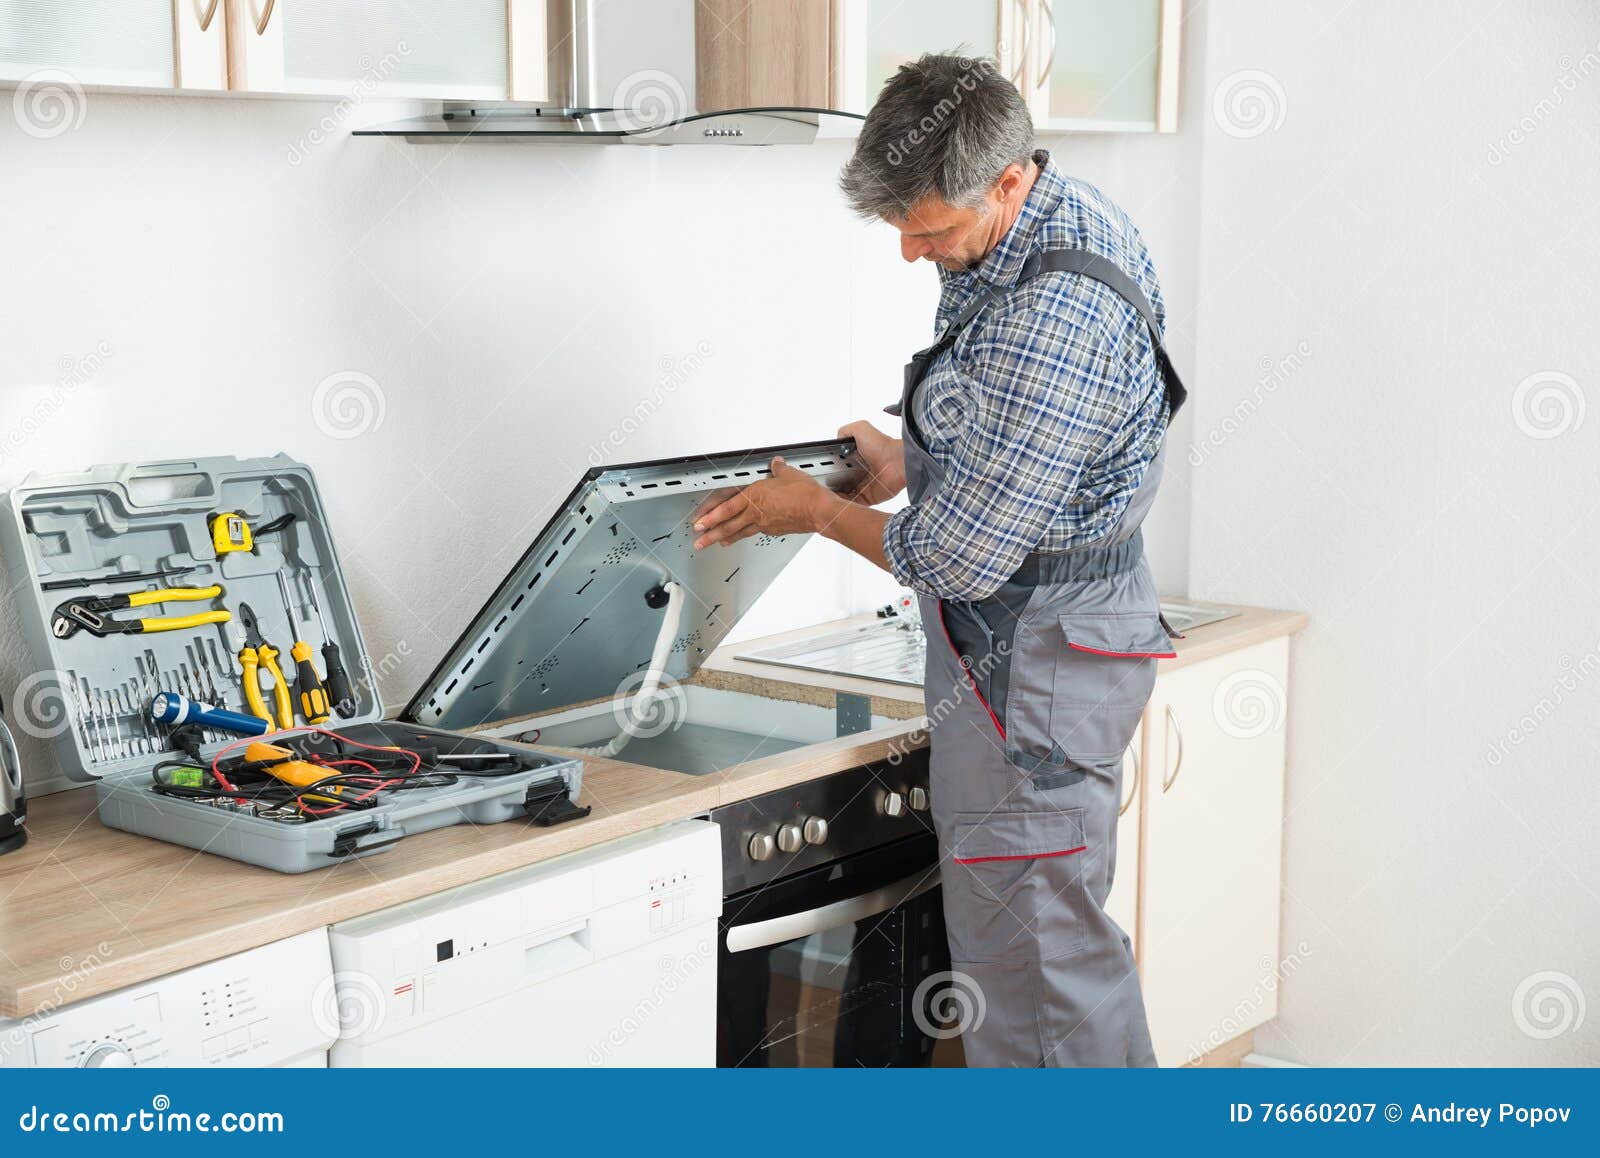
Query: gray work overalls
{"points": [[1033, 694]]}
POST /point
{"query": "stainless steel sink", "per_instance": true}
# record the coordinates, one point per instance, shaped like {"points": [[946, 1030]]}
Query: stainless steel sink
{"points": [[892, 650]]}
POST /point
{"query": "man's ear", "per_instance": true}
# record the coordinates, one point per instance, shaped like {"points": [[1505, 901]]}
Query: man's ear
{"points": [[1010, 181]]}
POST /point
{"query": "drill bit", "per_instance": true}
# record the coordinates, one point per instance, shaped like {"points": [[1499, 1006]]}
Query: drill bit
{"points": [[99, 721], [85, 729]]}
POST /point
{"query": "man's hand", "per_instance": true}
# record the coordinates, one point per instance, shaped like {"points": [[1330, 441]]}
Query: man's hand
{"points": [[790, 502], [884, 460]]}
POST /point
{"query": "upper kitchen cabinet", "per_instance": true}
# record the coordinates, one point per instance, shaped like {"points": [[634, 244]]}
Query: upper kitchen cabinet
{"points": [[873, 38], [1102, 65], [1082, 65], [772, 54], [464, 50], [115, 43]]}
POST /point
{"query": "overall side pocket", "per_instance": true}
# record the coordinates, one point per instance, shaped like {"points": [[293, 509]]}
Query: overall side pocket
{"points": [[1104, 672], [1017, 880]]}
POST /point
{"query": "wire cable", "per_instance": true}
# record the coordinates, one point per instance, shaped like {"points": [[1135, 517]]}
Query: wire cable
{"points": [[646, 695]]}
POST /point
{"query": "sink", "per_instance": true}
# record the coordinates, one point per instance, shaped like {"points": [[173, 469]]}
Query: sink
{"points": [[1185, 616], [702, 729]]}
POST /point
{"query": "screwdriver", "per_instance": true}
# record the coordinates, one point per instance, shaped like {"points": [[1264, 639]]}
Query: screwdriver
{"points": [[337, 684], [313, 697]]}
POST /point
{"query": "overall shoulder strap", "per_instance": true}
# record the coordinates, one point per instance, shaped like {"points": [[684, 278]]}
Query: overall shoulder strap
{"points": [[1109, 274]]}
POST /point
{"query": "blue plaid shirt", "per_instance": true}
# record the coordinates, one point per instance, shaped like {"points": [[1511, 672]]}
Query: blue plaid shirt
{"points": [[1045, 412]]}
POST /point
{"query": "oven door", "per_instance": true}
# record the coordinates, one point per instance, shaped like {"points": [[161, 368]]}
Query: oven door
{"points": [[826, 967]]}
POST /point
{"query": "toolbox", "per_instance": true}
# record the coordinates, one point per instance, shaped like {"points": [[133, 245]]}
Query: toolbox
{"points": [[132, 583]]}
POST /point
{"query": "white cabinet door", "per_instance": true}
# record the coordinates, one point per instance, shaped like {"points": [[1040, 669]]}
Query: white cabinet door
{"points": [[1108, 65], [1123, 903], [1213, 842], [465, 50], [873, 38], [122, 43]]}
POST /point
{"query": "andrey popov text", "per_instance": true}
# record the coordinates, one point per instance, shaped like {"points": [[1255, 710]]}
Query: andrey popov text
{"points": [[1449, 1114]]}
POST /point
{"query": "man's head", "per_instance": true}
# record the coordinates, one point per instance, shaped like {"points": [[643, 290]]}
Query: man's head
{"points": [[944, 157]]}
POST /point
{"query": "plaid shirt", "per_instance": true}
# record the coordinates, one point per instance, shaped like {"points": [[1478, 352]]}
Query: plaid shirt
{"points": [[1045, 412]]}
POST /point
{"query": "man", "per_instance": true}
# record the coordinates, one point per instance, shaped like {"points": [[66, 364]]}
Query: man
{"points": [[1032, 449]]}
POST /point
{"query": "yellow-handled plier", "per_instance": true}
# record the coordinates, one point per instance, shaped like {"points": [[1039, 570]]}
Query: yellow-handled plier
{"points": [[92, 614], [257, 653]]}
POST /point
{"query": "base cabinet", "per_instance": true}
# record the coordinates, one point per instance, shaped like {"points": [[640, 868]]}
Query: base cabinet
{"points": [[1212, 843], [1123, 901]]}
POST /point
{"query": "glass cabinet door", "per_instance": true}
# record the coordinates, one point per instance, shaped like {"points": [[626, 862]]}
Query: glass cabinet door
{"points": [[898, 32], [1098, 64], [109, 42], [395, 48], [875, 37]]}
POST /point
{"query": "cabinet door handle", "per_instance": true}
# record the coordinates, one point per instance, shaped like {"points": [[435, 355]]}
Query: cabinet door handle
{"points": [[1138, 772], [1050, 61], [210, 14], [1024, 18], [1172, 719], [265, 18]]}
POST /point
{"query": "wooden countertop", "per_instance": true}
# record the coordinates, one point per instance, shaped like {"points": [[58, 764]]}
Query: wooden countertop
{"points": [[85, 909]]}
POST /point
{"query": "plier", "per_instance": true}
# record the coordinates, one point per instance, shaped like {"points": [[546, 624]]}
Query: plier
{"points": [[92, 613], [258, 653]]}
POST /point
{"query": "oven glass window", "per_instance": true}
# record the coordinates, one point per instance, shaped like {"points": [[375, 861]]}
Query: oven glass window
{"points": [[849, 994]]}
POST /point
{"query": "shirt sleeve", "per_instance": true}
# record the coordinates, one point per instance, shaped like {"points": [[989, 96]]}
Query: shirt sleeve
{"points": [[1051, 394]]}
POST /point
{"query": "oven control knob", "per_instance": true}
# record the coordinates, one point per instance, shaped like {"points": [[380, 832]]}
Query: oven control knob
{"points": [[894, 804], [761, 846], [917, 798], [789, 838], [815, 830]]}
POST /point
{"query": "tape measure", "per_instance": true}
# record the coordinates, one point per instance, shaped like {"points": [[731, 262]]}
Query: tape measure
{"points": [[229, 532]]}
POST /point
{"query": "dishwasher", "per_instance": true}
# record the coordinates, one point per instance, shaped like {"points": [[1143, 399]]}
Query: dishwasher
{"points": [[604, 957]]}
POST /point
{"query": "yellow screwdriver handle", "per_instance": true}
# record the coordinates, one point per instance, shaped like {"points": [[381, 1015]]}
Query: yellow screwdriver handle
{"points": [[313, 697], [178, 622]]}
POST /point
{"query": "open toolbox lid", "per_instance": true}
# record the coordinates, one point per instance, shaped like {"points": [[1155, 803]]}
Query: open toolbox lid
{"points": [[570, 623], [127, 519]]}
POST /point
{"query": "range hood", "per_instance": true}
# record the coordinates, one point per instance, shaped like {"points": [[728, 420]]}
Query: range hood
{"points": [[511, 122], [631, 72]]}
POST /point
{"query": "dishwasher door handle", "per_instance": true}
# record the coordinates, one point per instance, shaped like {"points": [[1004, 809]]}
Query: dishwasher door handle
{"points": [[761, 934], [555, 950]]}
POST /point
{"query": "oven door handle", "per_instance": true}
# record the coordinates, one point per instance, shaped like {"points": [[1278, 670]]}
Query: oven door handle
{"points": [[777, 930]]}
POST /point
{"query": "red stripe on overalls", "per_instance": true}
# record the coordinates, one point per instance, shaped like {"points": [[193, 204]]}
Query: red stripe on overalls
{"points": [[971, 683], [1125, 654], [1018, 856]]}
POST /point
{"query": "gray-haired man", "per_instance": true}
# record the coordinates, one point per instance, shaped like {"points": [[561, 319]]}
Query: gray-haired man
{"points": [[1033, 444]]}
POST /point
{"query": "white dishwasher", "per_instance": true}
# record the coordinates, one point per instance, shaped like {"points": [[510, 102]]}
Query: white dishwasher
{"points": [[605, 957], [269, 1006]]}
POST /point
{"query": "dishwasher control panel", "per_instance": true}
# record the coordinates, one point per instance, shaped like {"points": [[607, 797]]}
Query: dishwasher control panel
{"points": [[262, 1007]]}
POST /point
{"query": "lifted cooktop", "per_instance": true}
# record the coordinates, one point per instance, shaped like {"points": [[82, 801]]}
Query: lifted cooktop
{"points": [[579, 613]]}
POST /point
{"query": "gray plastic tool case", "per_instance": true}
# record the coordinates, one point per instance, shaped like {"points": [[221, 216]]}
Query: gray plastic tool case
{"points": [[131, 519]]}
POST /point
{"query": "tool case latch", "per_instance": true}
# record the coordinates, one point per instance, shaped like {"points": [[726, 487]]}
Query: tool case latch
{"points": [[348, 842], [547, 804]]}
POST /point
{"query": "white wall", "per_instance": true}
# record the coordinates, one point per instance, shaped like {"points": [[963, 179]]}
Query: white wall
{"points": [[1435, 516], [174, 285]]}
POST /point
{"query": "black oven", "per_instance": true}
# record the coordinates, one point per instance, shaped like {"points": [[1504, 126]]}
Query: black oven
{"points": [[832, 935]]}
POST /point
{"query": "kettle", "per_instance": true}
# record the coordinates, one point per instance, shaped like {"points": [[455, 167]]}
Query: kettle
{"points": [[13, 805]]}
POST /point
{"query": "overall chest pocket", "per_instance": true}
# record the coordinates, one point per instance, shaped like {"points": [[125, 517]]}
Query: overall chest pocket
{"points": [[1105, 671]]}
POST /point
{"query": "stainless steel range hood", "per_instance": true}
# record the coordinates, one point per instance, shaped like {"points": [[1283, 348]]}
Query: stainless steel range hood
{"points": [[625, 72], [504, 122]]}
